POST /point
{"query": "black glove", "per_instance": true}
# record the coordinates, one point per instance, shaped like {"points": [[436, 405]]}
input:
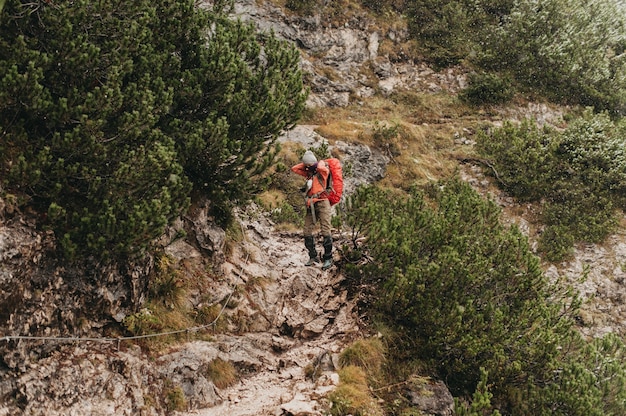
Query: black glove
{"points": [[311, 169]]}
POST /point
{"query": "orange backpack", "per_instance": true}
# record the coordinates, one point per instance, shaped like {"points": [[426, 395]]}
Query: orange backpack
{"points": [[334, 186]]}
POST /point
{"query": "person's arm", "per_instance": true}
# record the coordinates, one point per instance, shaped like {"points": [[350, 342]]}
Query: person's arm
{"points": [[323, 170], [300, 170]]}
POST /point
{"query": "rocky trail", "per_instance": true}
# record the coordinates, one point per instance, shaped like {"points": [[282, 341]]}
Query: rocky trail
{"points": [[302, 319], [283, 322]]}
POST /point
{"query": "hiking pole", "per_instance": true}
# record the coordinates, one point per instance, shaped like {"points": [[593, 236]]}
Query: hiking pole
{"points": [[313, 212]]}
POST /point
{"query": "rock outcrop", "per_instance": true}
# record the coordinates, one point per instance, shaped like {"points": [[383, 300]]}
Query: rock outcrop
{"points": [[280, 316], [336, 59]]}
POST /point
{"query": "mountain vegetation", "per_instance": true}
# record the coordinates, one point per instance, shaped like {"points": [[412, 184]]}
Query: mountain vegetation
{"points": [[465, 296], [114, 115], [112, 112], [576, 174]]}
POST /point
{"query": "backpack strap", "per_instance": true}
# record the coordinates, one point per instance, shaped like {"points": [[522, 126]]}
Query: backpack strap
{"points": [[329, 183]]}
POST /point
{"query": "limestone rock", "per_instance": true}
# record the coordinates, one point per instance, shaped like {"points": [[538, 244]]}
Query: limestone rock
{"points": [[432, 398]]}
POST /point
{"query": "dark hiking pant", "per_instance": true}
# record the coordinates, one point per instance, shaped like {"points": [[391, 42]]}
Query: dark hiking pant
{"points": [[322, 216]]}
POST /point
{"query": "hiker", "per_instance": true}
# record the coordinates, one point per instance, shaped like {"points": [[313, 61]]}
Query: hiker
{"points": [[317, 207]]}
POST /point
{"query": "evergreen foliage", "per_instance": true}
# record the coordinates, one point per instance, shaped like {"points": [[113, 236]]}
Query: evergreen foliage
{"points": [[487, 88], [450, 275], [588, 382], [447, 30], [578, 175], [112, 111], [469, 297], [569, 50], [481, 400], [521, 156]]}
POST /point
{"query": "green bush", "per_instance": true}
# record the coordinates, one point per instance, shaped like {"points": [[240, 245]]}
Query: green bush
{"points": [[586, 215], [567, 50], [590, 381], [578, 175], [521, 158], [481, 400], [457, 281], [486, 88], [443, 28], [465, 292], [556, 243], [111, 113], [578, 62]]}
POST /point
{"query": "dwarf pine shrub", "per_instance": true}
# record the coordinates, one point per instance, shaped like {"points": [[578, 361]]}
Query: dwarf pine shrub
{"points": [[568, 50], [112, 112], [487, 88], [577, 175], [464, 292]]}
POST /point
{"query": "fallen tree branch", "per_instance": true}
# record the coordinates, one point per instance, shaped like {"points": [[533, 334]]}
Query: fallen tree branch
{"points": [[482, 162]]}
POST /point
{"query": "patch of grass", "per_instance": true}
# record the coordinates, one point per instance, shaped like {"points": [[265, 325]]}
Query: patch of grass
{"points": [[369, 354], [353, 396], [257, 282], [271, 199], [175, 400], [222, 373], [210, 314], [234, 236], [167, 284], [157, 318], [142, 323], [338, 129], [406, 51], [415, 130]]}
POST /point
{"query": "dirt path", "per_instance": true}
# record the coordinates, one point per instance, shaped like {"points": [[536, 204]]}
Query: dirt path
{"points": [[298, 319]]}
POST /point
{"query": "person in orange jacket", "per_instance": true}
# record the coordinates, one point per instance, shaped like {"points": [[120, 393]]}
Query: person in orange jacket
{"points": [[318, 207]]}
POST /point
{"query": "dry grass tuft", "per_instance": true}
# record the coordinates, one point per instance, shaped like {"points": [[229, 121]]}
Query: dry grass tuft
{"points": [[222, 373], [210, 314], [342, 129], [271, 199], [353, 396], [368, 354], [175, 399], [417, 131]]}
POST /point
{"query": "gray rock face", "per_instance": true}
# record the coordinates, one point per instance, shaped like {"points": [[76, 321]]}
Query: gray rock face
{"points": [[283, 315], [362, 165], [334, 57], [42, 297], [432, 398]]}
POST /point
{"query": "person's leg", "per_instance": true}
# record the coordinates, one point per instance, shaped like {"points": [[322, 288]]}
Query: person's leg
{"points": [[324, 214], [309, 241]]}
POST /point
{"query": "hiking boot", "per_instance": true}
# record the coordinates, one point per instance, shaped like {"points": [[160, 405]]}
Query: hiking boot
{"points": [[327, 264], [312, 261]]}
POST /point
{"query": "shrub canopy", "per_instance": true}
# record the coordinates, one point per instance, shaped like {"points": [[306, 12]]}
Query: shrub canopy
{"points": [[571, 51], [577, 175], [465, 294], [111, 111]]}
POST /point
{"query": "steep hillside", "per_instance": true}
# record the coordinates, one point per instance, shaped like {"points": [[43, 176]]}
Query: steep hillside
{"points": [[277, 317], [261, 333]]}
